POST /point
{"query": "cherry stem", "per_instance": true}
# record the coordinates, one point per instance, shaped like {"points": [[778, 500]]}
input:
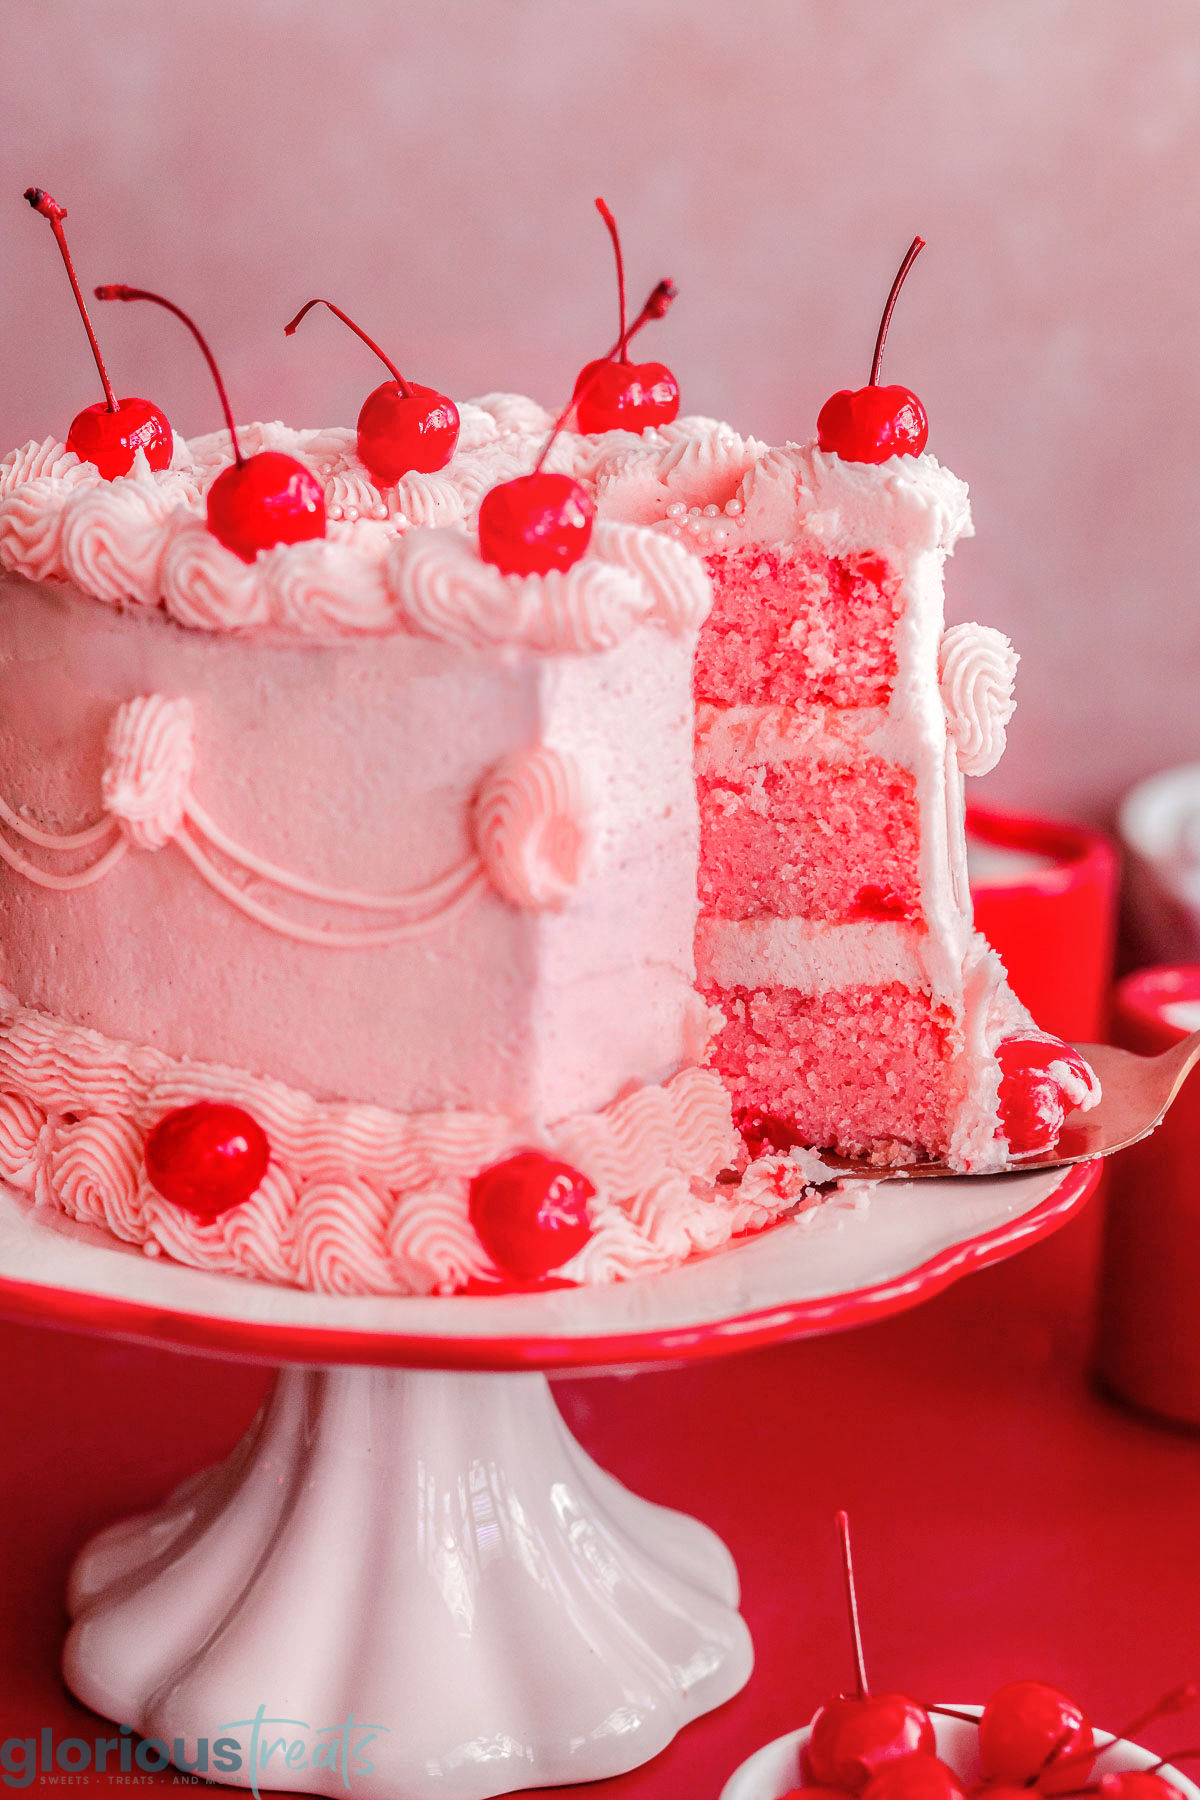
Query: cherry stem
{"points": [[1178, 1699], [1175, 1700], [1054, 1759], [358, 332], [860, 1667], [910, 256], [49, 208], [603, 209], [118, 291], [1174, 1757], [657, 304]]}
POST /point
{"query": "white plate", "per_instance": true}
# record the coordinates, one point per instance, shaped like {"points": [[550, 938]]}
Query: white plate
{"points": [[837, 1266]]}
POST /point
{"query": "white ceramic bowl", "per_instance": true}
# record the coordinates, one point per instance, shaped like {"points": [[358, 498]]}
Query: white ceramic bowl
{"points": [[1159, 827], [775, 1769]]}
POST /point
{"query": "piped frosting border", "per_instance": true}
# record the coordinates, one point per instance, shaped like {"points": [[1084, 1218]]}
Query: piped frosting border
{"points": [[358, 1199]]}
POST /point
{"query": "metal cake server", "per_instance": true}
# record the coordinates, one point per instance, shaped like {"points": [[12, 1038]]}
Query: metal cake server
{"points": [[1136, 1092]]}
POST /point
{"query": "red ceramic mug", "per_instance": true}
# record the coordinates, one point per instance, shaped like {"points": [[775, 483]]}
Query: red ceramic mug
{"points": [[1148, 1345], [1045, 896]]}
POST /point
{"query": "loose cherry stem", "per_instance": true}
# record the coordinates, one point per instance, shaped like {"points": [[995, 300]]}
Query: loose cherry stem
{"points": [[118, 291], [358, 331], [657, 305], [910, 257], [603, 209], [1174, 1757], [860, 1667], [1175, 1700], [44, 203]]}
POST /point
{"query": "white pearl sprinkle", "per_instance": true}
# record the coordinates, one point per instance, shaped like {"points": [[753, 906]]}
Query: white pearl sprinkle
{"points": [[733, 507], [676, 509], [711, 511]]}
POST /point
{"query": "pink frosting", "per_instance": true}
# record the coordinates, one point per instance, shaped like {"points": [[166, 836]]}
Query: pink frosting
{"points": [[530, 826]]}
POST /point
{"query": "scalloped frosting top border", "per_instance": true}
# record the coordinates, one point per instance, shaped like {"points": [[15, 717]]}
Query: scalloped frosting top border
{"points": [[141, 540]]}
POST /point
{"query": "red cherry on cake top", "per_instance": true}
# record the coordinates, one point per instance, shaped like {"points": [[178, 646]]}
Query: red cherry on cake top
{"points": [[262, 500], [531, 1213], [535, 523], [1033, 1103], [872, 423], [207, 1157], [855, 1735], [1028, 1729], [614, 393], [542, 521], [110, 433], [402, 427]]}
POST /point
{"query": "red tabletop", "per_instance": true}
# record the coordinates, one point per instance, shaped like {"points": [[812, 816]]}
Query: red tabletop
{"points": [[1008, 1520]]}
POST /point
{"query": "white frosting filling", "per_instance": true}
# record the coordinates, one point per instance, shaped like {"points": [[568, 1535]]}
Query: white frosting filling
{"points": [[813, 956]]}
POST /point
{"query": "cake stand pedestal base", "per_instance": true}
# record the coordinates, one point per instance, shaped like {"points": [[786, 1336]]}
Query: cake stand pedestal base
{"points": [[406, 1583]]}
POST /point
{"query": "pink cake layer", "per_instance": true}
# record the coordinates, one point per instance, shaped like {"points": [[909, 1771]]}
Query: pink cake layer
{"points": [[810, 839], [859, 1068], [794, 625]]}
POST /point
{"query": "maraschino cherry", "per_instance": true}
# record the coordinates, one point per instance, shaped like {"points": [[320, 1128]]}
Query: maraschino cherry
{"points": [[1067, 1758], [872, 423], [110, 433], [207, 1157], [531, 1213], [541, 522], [403, 427], [1028, 1729], [1139, 1784], [920, 1776], [1032, 1105], [262, 500], [613, 393], [855, 1735]]}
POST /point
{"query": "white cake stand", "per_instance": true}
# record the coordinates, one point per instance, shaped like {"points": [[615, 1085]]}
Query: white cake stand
{"points": [[408, 1581]]}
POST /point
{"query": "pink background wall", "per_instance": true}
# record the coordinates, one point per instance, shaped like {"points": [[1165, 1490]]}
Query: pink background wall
{"points": [[431, 167]]}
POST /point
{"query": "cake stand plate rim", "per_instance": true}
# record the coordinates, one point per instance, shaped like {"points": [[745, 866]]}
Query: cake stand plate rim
{"points": [[748, 1307]]}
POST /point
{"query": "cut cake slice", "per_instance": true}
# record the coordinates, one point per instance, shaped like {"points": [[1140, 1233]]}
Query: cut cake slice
{"points": [[857, 1007]]}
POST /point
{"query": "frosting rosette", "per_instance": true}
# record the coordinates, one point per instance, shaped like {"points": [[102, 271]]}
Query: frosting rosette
{"points": [[340, 1227], [433, 1242], [114, 535], [95, 1172], [151, 755], [444, 590], [21, 1126], [977, 669], [531, 827], [47, 460], [31, 529]]}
